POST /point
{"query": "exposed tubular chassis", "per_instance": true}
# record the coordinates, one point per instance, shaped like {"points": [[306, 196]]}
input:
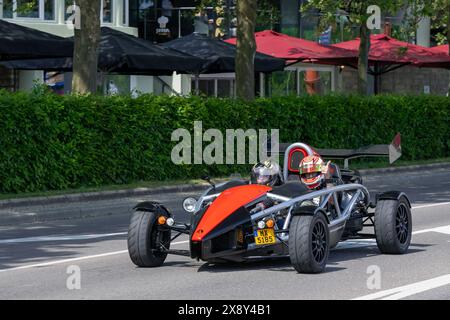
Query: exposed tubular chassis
{"points": [[342, 211], [331, 192], [336, 225]]}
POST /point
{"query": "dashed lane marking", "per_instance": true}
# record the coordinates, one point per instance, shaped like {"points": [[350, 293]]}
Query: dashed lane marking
{"points": [[50, 263], [408, 290]]}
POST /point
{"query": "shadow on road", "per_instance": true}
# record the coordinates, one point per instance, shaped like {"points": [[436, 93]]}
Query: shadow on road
{"points": [[12, 255], [282, 264]]}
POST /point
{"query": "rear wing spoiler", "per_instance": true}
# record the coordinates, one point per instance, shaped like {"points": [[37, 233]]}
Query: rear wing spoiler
{"points": [[379, 150], [393, 151]]}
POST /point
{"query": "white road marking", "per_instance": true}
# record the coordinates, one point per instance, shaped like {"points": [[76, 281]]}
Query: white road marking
{"points": [[344, 245], [408, 290], [443, 229], [356, 243], [105, 235], [50, 263], [45, 264], [360, 243], [62, 238], [431, 205]]}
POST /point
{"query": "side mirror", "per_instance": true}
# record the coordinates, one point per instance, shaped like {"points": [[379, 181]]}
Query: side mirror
{"points": [[208, 179]]}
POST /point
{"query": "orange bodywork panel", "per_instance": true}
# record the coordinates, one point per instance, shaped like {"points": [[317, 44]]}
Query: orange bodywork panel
{"points": [[225, 204]]}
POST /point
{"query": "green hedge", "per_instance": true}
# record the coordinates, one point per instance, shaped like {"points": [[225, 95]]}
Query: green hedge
{"points": [[53, 142]]}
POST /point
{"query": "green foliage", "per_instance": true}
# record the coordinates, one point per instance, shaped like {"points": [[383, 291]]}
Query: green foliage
{"points": [[27, 7], [50, 142]]}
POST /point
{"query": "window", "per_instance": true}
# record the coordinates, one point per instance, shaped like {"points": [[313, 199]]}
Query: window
{"points": [[315, 82], [67, 4], [225, 88], [214, 85], [114, 84], [49, 10], [107, 11], [126, 10], [284, 83], [206, 87], [8, 9], [29, 9]]}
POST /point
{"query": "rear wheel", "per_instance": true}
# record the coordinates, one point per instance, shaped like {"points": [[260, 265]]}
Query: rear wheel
{"points": [[147, 242], [309, 243], [393, 226]]}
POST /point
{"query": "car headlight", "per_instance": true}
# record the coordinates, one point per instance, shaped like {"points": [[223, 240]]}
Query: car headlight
{"points": [[189, 204], [170, 222], [261, 224]]}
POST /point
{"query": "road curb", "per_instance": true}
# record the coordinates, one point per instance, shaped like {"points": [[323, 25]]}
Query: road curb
{"points": [[96, 196], [125, 193], [444, 165], [14, 211]]}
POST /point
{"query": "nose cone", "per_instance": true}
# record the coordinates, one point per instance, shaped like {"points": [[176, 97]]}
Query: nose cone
{"points": [[225, 205]]}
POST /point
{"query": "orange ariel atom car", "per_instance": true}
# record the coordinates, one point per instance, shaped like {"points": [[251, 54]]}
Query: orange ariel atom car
{"points": [[238, 221]]}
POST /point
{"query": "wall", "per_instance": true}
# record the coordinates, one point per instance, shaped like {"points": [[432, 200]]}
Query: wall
{"points": [[28, 79], [410, 80]]}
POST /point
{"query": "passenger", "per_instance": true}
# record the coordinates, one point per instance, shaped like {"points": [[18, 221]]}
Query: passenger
{"points": [[267, 173]]}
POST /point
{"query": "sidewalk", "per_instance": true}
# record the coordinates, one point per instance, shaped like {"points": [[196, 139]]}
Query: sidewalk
{"points": [[10, 209]]}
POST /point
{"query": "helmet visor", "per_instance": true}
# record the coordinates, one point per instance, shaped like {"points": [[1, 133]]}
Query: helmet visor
{"points": [[310, 175], [262, 174], [310, 168], [261, 179]]}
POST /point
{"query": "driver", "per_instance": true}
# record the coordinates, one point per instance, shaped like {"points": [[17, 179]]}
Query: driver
{"points": [[314, 175], [266, 173], [313, 172]]}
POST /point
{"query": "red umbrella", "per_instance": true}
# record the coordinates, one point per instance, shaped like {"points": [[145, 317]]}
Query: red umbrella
{"points": [[387, 54], [440, 49], [295, 49], [385, 51]]}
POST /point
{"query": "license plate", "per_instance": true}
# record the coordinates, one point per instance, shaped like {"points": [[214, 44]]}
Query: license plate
{"points": [[265, 236]]}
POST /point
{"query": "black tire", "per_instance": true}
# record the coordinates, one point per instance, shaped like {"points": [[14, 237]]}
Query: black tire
{"points": [[307, 255], [393, 226], [144, 238]]}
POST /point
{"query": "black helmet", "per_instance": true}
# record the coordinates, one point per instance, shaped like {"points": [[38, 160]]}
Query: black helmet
{"points": [[267, 173]]}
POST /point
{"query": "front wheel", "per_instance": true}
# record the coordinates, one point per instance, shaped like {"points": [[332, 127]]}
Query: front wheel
{"points": [[147, 242], [393, 226], [309, 243]]}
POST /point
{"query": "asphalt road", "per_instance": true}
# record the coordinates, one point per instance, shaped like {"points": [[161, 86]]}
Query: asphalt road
{"points": [[37, 260]]}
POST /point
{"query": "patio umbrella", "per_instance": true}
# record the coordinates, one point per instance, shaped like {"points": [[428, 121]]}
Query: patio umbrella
{"points": [[120, 52], [387, 54], [123, 53], [18, 42], [220, 55], [294, 49], [440, 49]]}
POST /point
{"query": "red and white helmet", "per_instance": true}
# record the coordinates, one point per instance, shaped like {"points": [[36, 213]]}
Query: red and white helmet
{"points": [[311, 171]]}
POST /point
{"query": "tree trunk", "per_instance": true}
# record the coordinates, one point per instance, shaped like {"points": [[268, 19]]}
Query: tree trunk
{"points": [[246, 49], [363, 61], [85, 55], [448, 27]]}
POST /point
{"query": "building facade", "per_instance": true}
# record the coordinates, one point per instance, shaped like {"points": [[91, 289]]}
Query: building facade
{"points": [[163, 20], [51, 16]]}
